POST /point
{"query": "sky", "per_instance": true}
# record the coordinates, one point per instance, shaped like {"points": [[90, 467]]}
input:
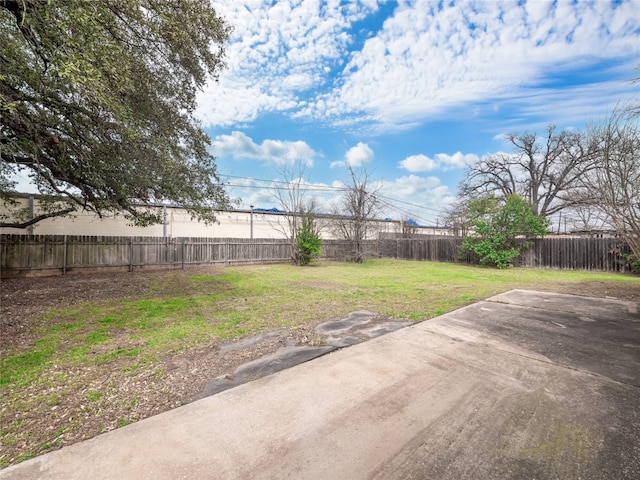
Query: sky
{"points": [[411, 91]]}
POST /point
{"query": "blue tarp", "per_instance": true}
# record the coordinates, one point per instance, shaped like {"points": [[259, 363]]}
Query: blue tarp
{"points": [[269, 210]]}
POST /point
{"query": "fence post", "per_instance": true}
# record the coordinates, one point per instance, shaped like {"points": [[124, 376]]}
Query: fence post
{"points": [[131, 254], [64, 256], [183, 251], [30, 229]]}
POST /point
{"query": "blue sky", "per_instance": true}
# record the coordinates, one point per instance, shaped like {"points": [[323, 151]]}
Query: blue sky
{"points": [[410, 90]]}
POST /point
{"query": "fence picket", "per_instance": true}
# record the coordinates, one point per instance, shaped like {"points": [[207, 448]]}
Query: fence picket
{"points": [[24, 254], [602, 254]]}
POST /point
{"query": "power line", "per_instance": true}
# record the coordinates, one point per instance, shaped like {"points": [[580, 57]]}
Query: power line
{"points": [[307, 188], [390, 202], [409, 214]]}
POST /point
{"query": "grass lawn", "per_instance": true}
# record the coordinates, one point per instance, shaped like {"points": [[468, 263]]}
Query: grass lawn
{"points": [[95, 360]]}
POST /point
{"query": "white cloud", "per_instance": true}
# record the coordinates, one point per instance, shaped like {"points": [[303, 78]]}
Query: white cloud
{"points": [[418, 163], [443, 161], [457, 160], [427, 57], [232, 102], [420, 198], [417, 197], [277, 54], [265, 193], [359, 155], [355, 156], [500, 137], [239, 146], [247, 192]]}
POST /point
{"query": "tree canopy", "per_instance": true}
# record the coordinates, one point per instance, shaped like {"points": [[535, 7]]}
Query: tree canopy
{"points": [[501, 229], [97, 102], [541, 169]]}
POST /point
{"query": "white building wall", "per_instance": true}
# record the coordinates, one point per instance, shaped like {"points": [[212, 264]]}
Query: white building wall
{"points": [[230, 224]]}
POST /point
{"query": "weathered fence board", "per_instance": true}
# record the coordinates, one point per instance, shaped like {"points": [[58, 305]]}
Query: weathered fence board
{"points": [[55, 254], [604, 254], [435, 249], [23, 254]]}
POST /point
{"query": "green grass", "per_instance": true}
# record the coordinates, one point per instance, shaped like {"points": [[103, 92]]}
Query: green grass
{"points": [[245, 300], [183, 311]]}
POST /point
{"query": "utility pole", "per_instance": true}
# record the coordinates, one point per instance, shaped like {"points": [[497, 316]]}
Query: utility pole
{"points": [[251, 234], [164, 221]]}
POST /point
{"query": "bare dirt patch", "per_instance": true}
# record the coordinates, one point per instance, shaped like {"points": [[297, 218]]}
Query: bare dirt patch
{"points": [[83, 401]]}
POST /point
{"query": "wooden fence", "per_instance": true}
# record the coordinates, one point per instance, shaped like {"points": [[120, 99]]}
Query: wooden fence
{"points": [[62, 254], [603, 254], [53, 254], [434, 249]]}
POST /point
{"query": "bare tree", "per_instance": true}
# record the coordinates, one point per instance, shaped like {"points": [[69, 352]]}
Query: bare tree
{"points": [[541, 170], [290, 195], [409, 227], [613, 186], [634, 108], [585, 218], [355, 211], [457, 218]]}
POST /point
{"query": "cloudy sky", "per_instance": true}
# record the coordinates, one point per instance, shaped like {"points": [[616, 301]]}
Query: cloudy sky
{"points": [[410, 90]]}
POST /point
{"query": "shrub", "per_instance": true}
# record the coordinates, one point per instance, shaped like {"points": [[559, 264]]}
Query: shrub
{"points": [[634, 262], [500, 229], [309, 243]]}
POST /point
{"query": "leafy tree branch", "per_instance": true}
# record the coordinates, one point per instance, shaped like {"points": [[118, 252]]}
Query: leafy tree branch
{"points": [[97, 102], [501, 229]]}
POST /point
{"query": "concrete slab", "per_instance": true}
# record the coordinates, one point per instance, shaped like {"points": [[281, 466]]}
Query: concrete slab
{"points": [[503, 389], [585, 306]]}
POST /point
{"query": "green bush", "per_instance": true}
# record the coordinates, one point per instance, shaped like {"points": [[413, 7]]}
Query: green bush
{"points": [[309, 243], [500, 228], [634, 262]]}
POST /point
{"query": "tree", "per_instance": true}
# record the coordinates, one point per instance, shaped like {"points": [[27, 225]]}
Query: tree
{"points": [[299, 211], [501, 229], [457, 218], [613, 186], [409, 227], [634, 109], [97, 102], [355, 211], [309, 242], [541, 170]]}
